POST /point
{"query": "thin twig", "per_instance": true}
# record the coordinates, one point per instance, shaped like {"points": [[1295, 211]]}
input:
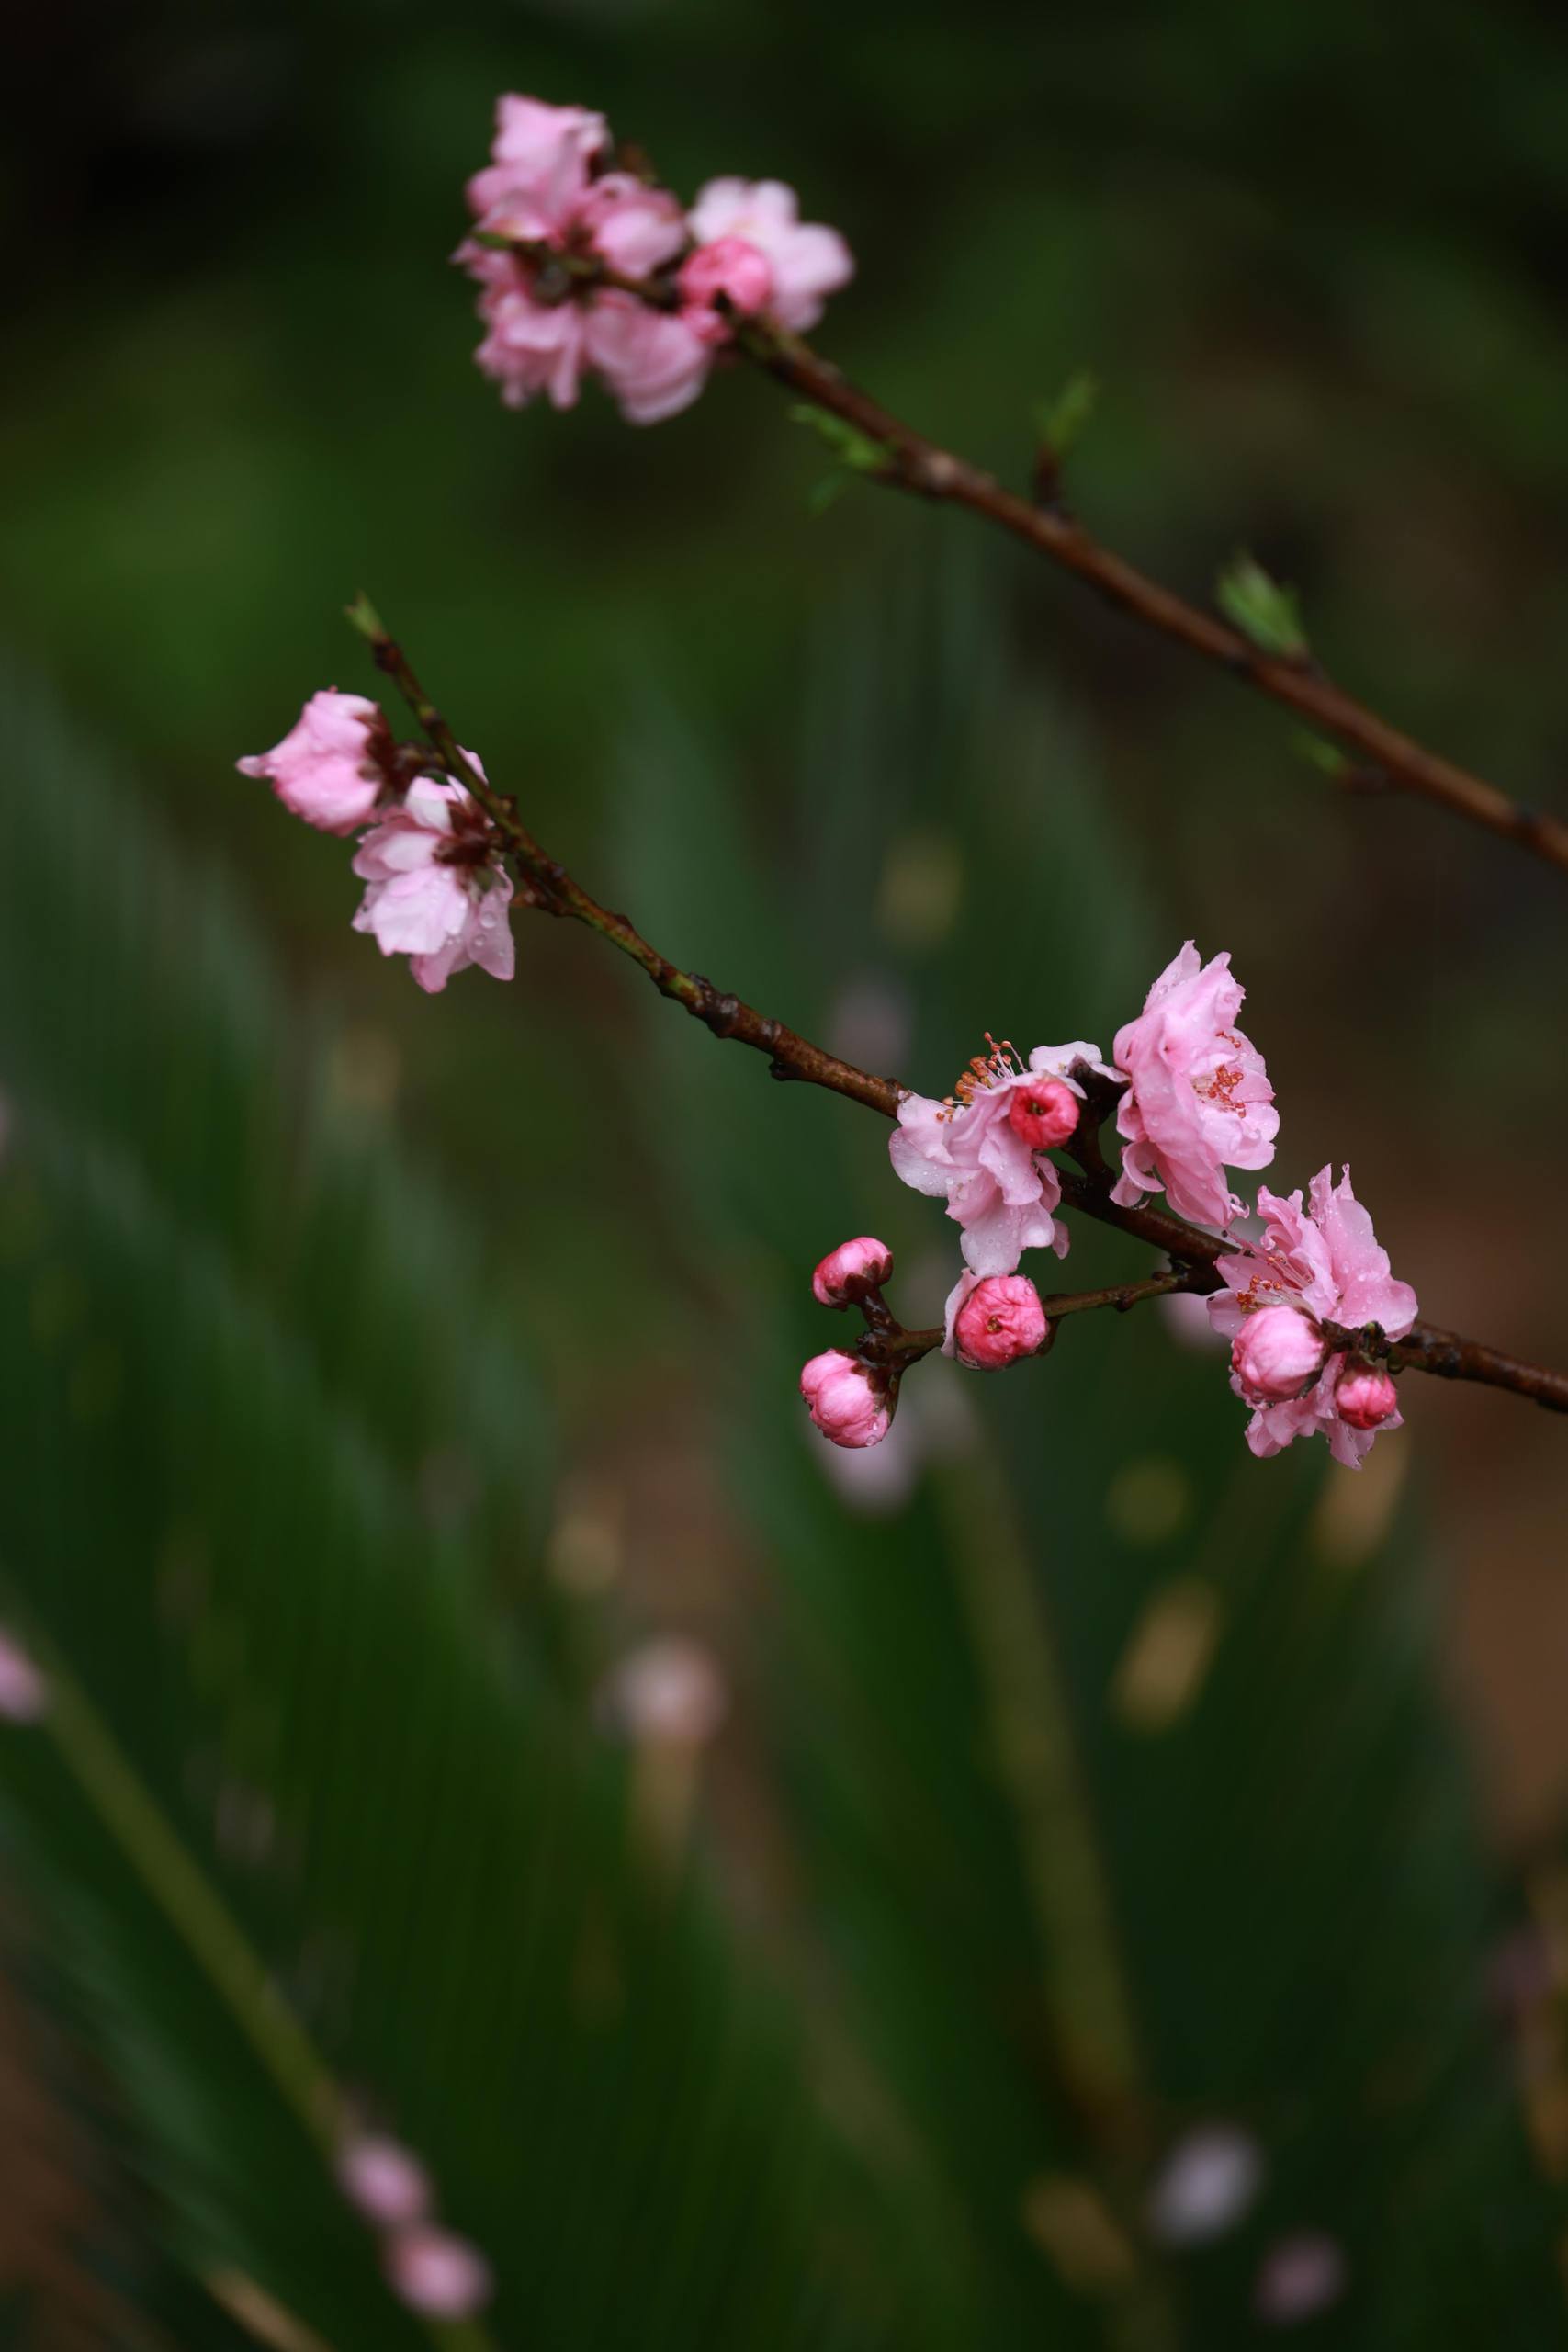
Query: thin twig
{"points": [[922, 467], [1192, 1252]]}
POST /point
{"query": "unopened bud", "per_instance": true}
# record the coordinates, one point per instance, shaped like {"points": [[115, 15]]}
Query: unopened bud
{"points": [[1277, 1351], [1000, 1321], [1043, 1112], [847, 1273], [847, 1405], [1366, 1397], [731, 266]]}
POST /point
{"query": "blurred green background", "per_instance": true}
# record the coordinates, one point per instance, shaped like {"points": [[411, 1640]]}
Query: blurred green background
{"points": [[380, 1371]]}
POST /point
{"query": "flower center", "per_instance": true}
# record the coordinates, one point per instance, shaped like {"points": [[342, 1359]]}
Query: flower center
{"points": [[985, 1071]]}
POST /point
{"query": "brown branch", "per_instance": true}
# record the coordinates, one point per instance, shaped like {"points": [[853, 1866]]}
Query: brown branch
{"points": [[547, 885], [924, 467]]}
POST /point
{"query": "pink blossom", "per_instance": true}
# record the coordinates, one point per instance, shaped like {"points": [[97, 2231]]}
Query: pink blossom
{"points": [[1366, 1397], [732, 267], [809, 263], [847, 1405], [438, 2273], [994, 1321], [438, 891], [1277, 1351], [1324, 1262], [329, 767], [387, 2184], [545, 188], [968, 1152], [1198, 1100], [24, 1693], [540, 155], [654, 363], [846, 1273]]}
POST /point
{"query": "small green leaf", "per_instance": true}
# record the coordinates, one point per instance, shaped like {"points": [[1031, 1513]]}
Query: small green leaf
{"points": [[824, 494], [1321, 754], [1261, 608], [362, 615], [1060, 422], [851, 448]]}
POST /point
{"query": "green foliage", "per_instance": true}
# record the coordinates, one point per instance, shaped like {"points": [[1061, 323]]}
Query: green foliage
{"points": [[1060, 422], [1262, 610]]}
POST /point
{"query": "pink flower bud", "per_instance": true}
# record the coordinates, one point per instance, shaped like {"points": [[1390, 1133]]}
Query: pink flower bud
{"points": [[1000, 1320], [1277, 1351], [328, 767], [438, 2273], [1365, 1396], [847, 1405], [847, 1273], [390, 2186], [24, 1693], [1043, 1112], [731, 266]]}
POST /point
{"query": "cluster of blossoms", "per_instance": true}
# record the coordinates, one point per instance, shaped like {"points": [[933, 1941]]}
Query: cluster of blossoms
{"points": [[558, 218], [435, 887], [1310, 1306], [430, 2269]]}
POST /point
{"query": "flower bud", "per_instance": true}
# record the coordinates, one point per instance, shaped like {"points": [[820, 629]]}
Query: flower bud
{"points": [[847, 1273], [1277, 1351], [390, 2186], [438, 2273], [1366, 1397], [1043, 1112], [1000, 1320], [731, 266], [328, 768], [846, 1404]]}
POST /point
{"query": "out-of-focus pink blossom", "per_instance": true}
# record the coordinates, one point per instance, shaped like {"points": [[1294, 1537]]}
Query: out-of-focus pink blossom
{"points": [[1198, 1100], [847, 1273], [1324, 1262], [1045, 1112], [1276, 1353], [968, 1152], [671, 1692], [540, 155], [24, 1693], [653, 362], [995, 1321], [387, 2184], [846, 1404], [544, 186], [1205, 2185], [807, 262], [1366, 1397], [328, 768], [730, 266], [438, 891], [1300, 2276], [438, 2273]]}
